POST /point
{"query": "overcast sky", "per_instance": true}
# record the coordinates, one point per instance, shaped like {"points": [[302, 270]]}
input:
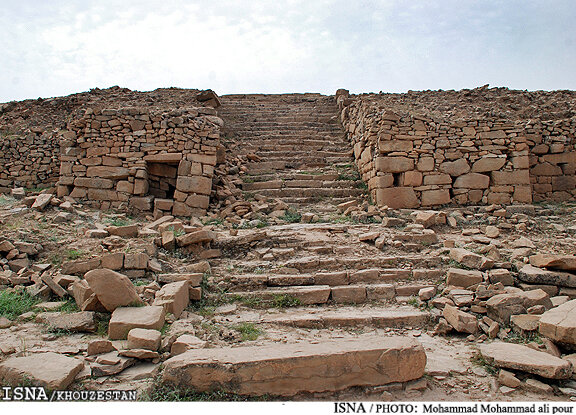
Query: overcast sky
{"points": [[57, 47]]}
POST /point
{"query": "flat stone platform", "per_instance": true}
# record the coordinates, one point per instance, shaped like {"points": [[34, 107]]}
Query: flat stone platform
{"points": [[288, 369]]}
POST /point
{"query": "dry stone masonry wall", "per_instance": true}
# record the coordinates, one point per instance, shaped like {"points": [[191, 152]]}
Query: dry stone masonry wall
{"points": [[142, 159], [411, 160], [28, 159]]}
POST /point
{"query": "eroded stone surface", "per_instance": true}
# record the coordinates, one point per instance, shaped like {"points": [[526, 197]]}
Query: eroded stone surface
{"points": [[519, 357], [51, 370], [559, 323], [287, 369]]}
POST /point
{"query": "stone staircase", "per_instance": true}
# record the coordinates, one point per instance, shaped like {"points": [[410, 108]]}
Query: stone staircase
{"points": [[312, 288], [295, 145]]}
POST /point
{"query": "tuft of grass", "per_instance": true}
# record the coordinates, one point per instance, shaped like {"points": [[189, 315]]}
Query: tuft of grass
{"points": [[69, 307], [73, 254], [119, 221], [102, 322], [15, 303], [249, 331], [214, 221], [479, 360], [352, 176], [169, 392], [291, 216], [58, 332], [285, 301], [6, 200], [455, 264], [524, 338]]}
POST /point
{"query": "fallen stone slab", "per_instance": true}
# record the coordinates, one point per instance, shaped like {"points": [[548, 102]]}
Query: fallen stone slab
{"points": [[42, 201], [461, 321], [500, 307], [559, 323], [125, 319], [174, 297], [534, 275], [560, 262], [463, 278], [51, 370], [470, 259], [112, 288], [287, 369], [526, 359], [83, 321]]}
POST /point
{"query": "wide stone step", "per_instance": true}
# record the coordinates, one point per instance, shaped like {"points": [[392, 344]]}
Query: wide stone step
{"points": [[289, 369], [295, 141], [306, 295], [321, 294], [291, 184], [352, 317], [310, 192]]}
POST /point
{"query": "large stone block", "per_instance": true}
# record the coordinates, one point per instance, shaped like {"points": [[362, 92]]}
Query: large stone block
{"points": [[559, 324], [50, 370], [486, 164], [112, 288], [397, 197], [394, 164], [523, 358], [435, 197], [511, 177], [455, 168], [173, 297], [472, 181], [125, 319], [287, 369], [194, 184], [395, 145], [108, 172]]}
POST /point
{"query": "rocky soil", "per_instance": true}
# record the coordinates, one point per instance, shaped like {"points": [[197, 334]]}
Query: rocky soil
{"points": [[108, 299]]}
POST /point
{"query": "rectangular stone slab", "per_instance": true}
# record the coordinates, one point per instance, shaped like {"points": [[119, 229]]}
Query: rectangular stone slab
{"points": [[519, 357], [287, 369]]}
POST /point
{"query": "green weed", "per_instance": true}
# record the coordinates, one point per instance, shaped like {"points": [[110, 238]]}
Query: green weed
{"points": [[248, 331], [15, 303]]}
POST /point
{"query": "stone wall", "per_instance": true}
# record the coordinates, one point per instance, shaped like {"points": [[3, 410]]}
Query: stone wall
{"points": [[552, 159], [140, 159], [29, 159], [410, 160]]}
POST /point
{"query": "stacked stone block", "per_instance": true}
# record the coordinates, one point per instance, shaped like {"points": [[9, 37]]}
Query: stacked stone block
{"points": [[552, 159], [142, 159], [29, 159], [411, 161]]}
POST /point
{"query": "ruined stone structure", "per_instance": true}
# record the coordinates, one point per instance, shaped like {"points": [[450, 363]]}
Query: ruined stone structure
{"points": [[419, 149], [411, 159], [142, 159]]}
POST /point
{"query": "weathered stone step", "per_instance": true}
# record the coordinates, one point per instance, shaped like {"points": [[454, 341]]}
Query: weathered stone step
{"points": [[253, 147], [279, 141], [301, 184], [322, 294], [310, 192], [288, 369], [306, 295], [352, 316]]}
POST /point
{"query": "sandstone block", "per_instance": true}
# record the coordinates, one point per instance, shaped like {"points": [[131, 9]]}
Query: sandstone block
{"points": [[174, 297], [455, 168], [523, 358], [435, 197], [461, 321], [112, 288], [50, 370], [195, 184], [144, 339], [559, 323], [472, 181], [463, 278], [487, 164], [125, 319], [397, 197], [322, 367], [394, 164]]}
